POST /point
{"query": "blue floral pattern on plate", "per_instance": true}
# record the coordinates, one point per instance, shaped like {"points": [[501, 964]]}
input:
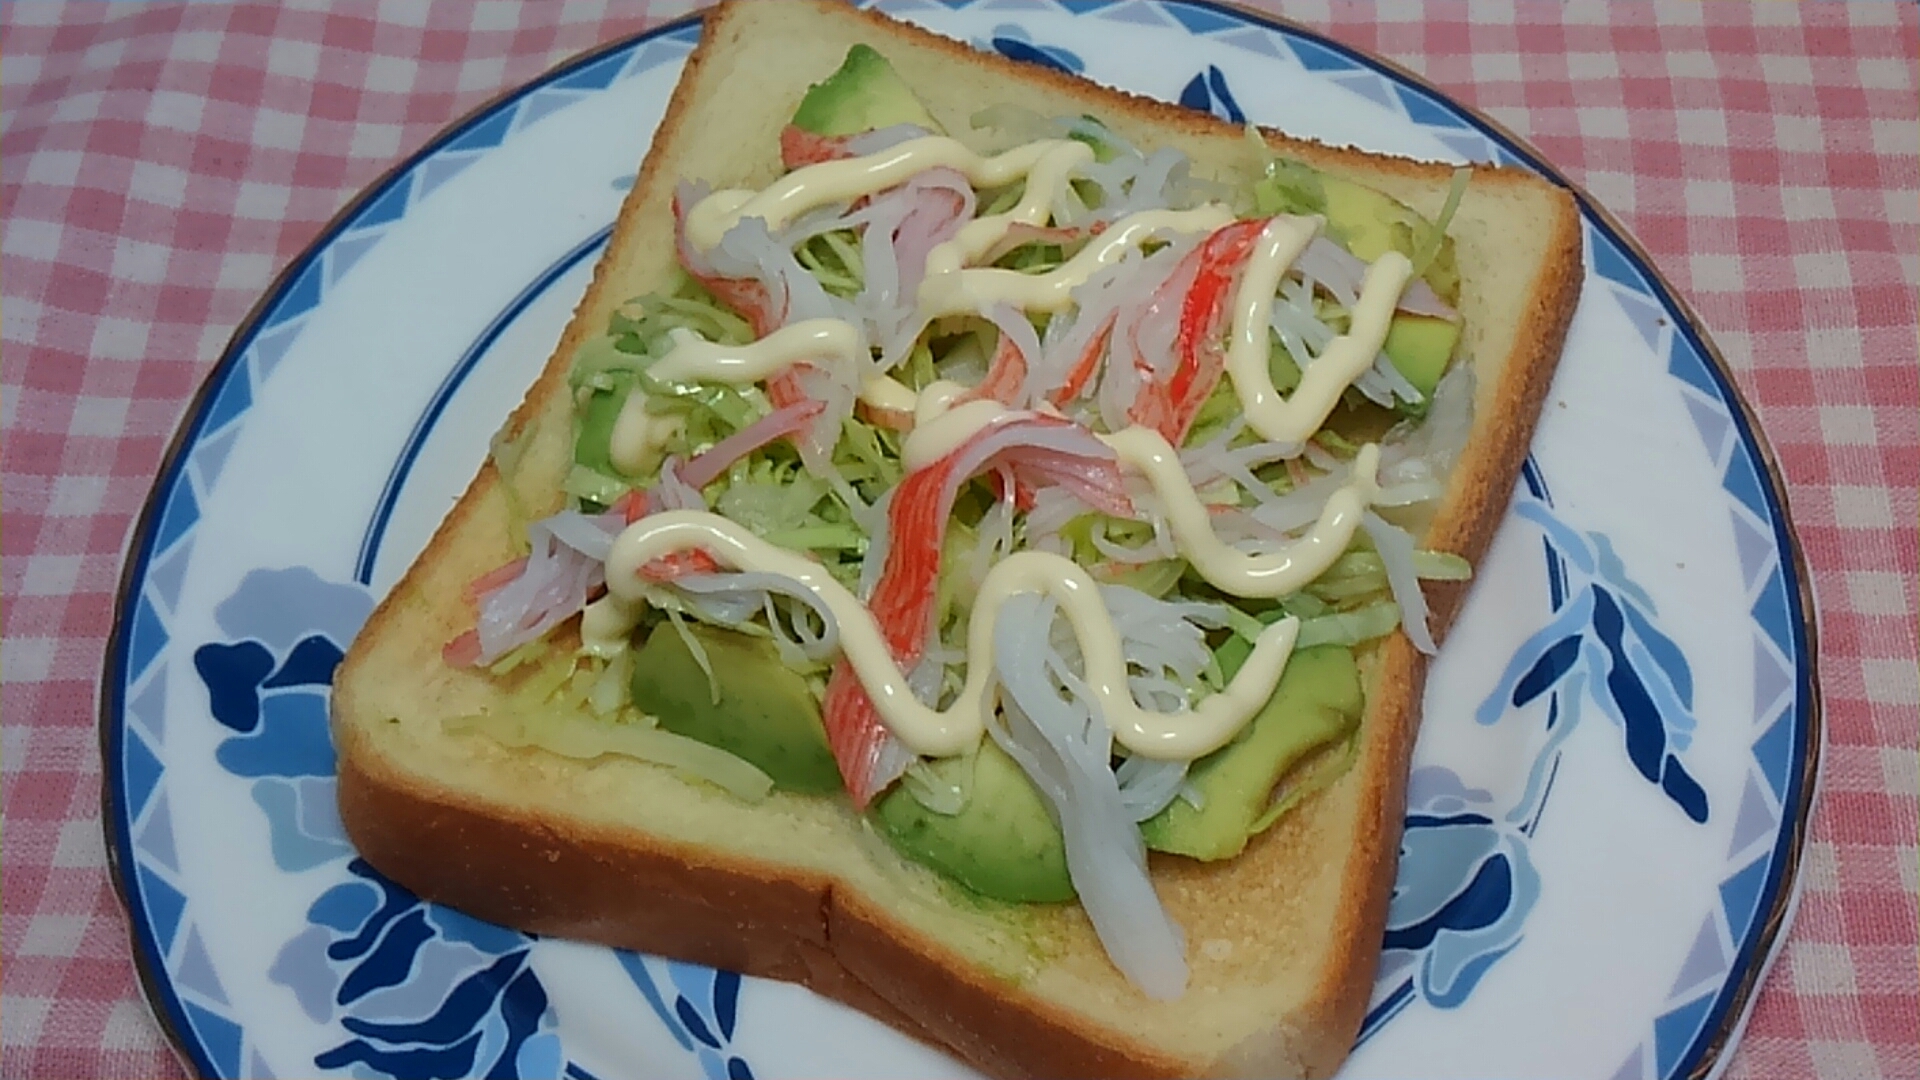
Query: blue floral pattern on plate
{"points": [[1466, 882], [704, 1012], [421, 990], [1012, 41], [1603, 639], [1207, 92]]}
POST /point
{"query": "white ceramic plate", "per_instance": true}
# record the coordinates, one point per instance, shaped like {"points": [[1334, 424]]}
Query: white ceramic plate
{"points": [[1611, 785]]}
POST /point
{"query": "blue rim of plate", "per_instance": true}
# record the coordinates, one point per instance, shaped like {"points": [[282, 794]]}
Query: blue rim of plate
{"points": [[1717, 1027]]}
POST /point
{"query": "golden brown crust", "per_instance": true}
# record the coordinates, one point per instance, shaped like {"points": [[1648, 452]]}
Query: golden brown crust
{"points": [[556, 878], [552, 875]]}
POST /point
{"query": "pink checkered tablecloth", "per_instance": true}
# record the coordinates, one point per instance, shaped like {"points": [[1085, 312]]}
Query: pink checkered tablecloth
{"points": [[162, 161]]}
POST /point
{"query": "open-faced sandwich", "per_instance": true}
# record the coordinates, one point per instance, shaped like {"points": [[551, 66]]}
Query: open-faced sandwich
{"points": [[974, 552]]}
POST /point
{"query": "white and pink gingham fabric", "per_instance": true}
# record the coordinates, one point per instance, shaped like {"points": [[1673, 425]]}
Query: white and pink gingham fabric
{"points": [[160, 162]]}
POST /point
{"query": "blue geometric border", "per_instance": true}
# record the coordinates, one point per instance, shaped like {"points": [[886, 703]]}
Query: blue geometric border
{"points": [[169, 955], [1685, 1041]]}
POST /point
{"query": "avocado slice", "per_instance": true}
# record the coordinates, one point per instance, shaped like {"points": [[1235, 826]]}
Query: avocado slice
{"points": [[1003, 844], [1362, 219], [865, 94], [1420, 347], [1371, 224], [1317, 703], [766, 713]]}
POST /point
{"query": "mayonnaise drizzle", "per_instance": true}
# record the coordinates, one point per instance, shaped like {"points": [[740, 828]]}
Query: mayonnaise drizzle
{"points": [[826, 342], [1270, 575], [1293, 418], [941, 433], [934, 732], [949, 286], [1045, 164], [640, 438], [951, 289]]}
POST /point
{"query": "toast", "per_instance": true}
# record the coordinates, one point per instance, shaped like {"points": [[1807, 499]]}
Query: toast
{"points": [[1282, 939]]}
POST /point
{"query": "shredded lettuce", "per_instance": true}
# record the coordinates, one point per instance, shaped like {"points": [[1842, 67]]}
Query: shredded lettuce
{"points": [[608, 368], [1001, 200], [599, 357], [919, 371], [1156, 579], [1035, 257], [868, 456], [641, 324], [1431, 565], [1320, 624], [840, 536], [1339, 445]]}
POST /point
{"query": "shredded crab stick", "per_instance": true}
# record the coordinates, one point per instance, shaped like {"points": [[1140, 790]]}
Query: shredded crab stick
{"points": [[1169, 406], [1083, 368], [496, 579], [538, 592], [800, 147], [903, 598], [524, 615], [902, 604], [748, 297], [1005, 377], [1021, 234]]}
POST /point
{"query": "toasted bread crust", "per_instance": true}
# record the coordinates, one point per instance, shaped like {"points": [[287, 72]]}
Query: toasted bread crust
{"points": [[552, 877], [549, 874]]}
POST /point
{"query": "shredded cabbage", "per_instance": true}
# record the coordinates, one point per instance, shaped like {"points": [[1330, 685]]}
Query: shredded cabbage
{"points": [[944, 787], [699, 652], [571, 734], [1322, 769], [1436, 236], [506, 453], [1349, 627]]}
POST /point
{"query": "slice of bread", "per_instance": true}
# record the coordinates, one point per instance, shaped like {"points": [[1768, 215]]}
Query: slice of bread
{"points": [[1282, 940]]}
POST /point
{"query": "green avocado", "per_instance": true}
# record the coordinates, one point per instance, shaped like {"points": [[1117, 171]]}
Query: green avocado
{"points": [[1003, 844], [865, 94], [1363, 219], [766, 714], [1317, 703], [1371, 224], [1420, 347]]}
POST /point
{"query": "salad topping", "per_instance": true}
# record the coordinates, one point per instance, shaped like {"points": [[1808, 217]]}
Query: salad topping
{"points": [[1056, 453]]}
